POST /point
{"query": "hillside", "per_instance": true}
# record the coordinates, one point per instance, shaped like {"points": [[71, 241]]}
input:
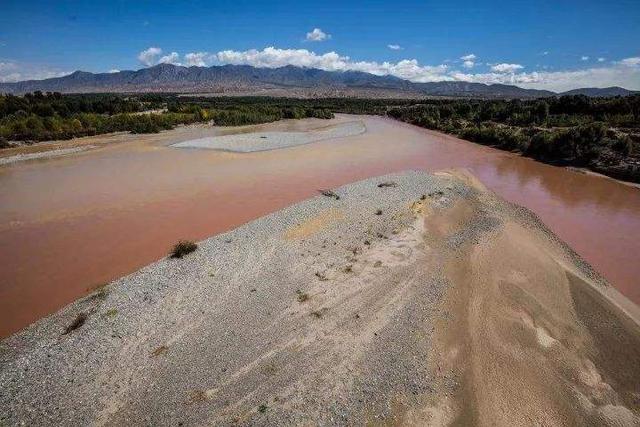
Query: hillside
{"points": [[288, 80]]}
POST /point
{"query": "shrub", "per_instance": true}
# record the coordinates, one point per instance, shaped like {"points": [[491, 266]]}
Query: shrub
{"points": [[182, 248]]}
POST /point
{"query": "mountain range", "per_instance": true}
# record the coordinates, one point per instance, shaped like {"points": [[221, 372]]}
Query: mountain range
{"points": [[284, 81]]}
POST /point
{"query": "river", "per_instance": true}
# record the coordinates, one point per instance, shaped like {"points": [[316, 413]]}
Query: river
{"points": [[71, 223]]}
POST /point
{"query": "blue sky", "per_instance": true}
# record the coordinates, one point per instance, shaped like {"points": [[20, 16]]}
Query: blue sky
{"points": [[547, 44]]}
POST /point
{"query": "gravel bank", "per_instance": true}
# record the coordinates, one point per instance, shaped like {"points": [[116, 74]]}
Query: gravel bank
{"points": [[43, 154], [264, 141], [334, 311]]}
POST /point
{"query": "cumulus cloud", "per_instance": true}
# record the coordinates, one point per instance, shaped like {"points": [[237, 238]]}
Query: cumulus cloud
{"points": [[198, 59], [600, 59], [468, 61], [172, 58], [631, 62], [584, 58], [506, 68], [272, 57], [394, 46], [317, 35], [625, 72], [149, 56], [11, 71], [113, 70]]}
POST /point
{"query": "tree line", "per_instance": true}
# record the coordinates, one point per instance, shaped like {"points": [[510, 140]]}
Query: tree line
{"points": [[599, 133]]}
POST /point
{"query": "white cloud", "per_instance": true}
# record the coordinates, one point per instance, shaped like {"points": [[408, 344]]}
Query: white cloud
{"points": [[584, 58], [149, 56], [317, 35], [11, 71], [114, 70], [394, 47], [198, 59], [625, 73], [468, 61], [631, 62], [506, 68], [272, 57], [600, 59], [172, 58], [545, 53]]}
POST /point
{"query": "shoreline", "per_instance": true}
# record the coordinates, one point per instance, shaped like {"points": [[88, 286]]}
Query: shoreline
{"points": [[54, 145], [329, 310]]}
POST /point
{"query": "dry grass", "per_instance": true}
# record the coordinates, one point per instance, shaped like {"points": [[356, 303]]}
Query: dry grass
{"points": [[160, 350]]}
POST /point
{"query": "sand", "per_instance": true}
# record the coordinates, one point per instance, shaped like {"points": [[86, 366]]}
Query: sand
{"points": [[265, 141], [430, 302]]}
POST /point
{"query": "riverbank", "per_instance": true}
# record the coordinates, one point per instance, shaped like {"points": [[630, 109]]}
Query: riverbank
{"points": [[342, 311]]}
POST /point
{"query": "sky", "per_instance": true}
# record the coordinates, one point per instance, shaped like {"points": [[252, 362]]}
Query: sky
{"points": [[556, 44]]}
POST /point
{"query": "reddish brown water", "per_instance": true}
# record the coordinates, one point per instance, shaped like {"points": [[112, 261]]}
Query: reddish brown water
{"points": [[70, 224]]}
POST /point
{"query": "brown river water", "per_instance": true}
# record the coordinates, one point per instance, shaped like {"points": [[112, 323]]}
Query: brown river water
{"points": [[69, 224]]}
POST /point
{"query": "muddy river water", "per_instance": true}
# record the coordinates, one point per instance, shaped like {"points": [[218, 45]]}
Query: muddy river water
{"points": [[71, 223]]}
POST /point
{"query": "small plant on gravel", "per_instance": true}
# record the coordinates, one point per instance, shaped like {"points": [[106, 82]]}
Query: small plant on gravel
{"points": [[318, 313], [111, 312], [182, 248], [321, 276], [302, 297], [387, 184], [423, 197], [160, 350], [379, 212], [329, 193], [78, 322], [262, 408], [196, 396]]}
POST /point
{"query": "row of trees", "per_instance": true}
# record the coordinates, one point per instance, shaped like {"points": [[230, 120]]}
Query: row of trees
{"points": [[600, 133], [39, 117]]}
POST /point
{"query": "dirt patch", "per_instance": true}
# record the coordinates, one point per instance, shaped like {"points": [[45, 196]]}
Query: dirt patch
{"points": [[314, 225]]}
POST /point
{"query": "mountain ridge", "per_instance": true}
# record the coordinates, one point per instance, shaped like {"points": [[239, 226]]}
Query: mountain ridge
{"points": [[288, 80]]}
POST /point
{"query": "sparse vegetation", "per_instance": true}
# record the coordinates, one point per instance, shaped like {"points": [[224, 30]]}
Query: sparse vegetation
{"points": [[182, 248], [321, 276], [329, 193], [387, 184], [160, 350], [262, 408], [111, 312], [318, 313], [80, 319], [302, 296]]}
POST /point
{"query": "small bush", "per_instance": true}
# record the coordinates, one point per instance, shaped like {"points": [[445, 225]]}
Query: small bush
{"points": [[302, 297], [182, 248], [78, 322]]}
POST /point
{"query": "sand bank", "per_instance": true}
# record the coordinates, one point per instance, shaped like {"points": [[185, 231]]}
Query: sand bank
{"points": [[265, 141], [422, 302], [43, 154]]}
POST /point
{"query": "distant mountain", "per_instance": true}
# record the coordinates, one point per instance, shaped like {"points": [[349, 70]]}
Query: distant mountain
{"points": [[606, 91], [284, 81]]}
